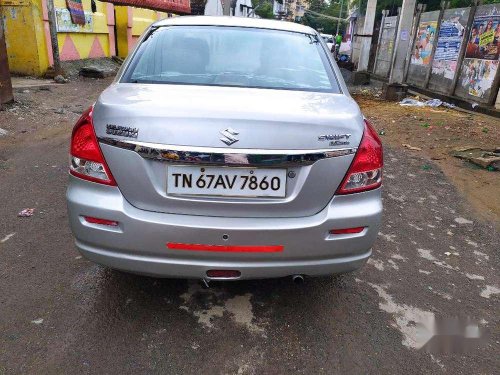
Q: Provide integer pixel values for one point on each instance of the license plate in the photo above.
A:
(226, 181)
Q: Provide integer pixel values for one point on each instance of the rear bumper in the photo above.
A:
(138, 244)
(189, 268)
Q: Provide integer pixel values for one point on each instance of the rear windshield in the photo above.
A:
(232, 56)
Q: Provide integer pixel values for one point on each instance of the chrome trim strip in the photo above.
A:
(226, 156)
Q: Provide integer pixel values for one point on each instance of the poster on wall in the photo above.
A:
(64, 23)
(478, 76)
(451, 35)
(422, 50)
(484, 38)
(483, 50)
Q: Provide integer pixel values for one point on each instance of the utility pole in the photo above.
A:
(53, 38)
(340, 16)
(226, 7)
(5, 82)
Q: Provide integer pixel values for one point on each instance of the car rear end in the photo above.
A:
(190, 167)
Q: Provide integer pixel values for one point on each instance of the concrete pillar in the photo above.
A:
(5, 83)
(403, 42)
(366, 39)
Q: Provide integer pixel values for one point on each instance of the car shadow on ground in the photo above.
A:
(133, 296)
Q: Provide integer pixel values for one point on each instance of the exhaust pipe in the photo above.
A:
(298, 279)
(205, 283)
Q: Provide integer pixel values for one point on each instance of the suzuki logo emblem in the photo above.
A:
(229, 136)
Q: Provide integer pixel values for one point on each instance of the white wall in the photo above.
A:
(237, 10)
(277, 7)
(213, 8)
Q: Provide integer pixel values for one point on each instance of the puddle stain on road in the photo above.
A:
(208, 304)
(489, 291)
(405, 318)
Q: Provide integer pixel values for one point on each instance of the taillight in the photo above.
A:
(87, 161)
(365, 172)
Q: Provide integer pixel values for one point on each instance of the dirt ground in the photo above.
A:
(36, 114)
(437, 132)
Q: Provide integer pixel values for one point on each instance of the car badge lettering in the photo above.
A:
(124, 131)
(229, 136)
(335, 139)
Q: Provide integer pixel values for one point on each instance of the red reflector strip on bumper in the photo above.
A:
(223, 248)
(96, 220)
(347, 230)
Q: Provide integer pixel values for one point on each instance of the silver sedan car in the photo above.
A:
(226, 148)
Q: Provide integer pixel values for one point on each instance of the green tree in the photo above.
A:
(332, 9)
(263, 8)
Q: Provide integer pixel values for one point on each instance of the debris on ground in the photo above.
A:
(370, 91)
(3, 132)
(94, 71)
(60, 79)
(27, 212)
(410, 147)
(117, 60)
(7, 237)
(487, 159)
(73, 67)
(411, 102)
(448, 253)
(37, 321)
(461, 220)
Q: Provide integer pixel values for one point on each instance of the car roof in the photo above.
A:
(235, 22)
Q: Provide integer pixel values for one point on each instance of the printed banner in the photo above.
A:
(64, 24)
(478, 75)
(450, 39)
(75, 8)
(426, 34)
(485, 37)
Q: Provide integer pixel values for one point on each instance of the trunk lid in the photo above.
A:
(193, 117)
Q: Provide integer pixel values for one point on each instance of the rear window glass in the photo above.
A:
(232, 56)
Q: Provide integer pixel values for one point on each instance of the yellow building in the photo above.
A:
(111, 30)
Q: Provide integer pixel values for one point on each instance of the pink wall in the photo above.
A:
(69, 50)
(46, 29)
